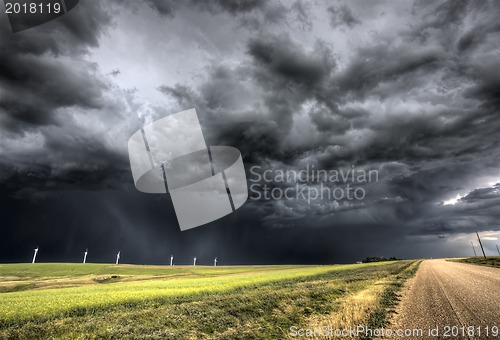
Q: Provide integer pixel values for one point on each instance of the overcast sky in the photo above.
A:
(408, 88)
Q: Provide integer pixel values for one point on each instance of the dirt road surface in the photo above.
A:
(451, 297)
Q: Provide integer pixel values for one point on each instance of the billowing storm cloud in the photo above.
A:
(408, 89)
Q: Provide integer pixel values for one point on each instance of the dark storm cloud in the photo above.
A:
(72, 33)
(384, 64)
(477, 210)
(478, 195)
(289, 75)
(280, 76)
(446, 21)
(406, 99)
(180, 93)
(64, 126)
(163, 7)
(303, 15)
(283, 58)
(29, 65)
(233, 7)
(476, 36)
(255, 140)
(342, 16)
(40, 98)
(48, 89)
(414, 96)
(251, 14)
(380, 72)
(168, 8)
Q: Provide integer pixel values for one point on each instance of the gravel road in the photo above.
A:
(449, 294)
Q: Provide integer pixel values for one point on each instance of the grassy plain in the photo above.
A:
(77, 301)
(490, 261)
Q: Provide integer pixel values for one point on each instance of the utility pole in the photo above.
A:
(480, 244)
(474, 249)
(498, 250)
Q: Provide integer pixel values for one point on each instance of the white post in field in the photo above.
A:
(85, 256)
(215, 262)
(34, 256)
(171, 260)
(194, 261)
(117, 257)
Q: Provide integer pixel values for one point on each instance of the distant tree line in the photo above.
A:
(379, 259)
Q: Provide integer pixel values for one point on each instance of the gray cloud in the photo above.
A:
(51, 104)
(34, 78)
(233, 7)
(410, 90)
(383, 92)
(342, 16)
(168, 8)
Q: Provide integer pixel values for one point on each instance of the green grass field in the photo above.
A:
(490, 261)
(98, 300)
